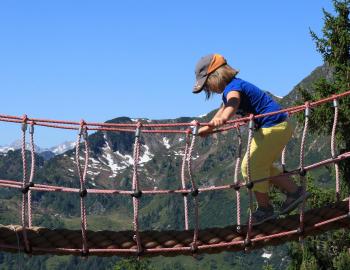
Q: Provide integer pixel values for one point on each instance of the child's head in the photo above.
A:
(213, 74)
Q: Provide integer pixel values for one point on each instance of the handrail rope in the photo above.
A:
(32, 173)
(291, 110)
(236, 180)
(25, 187)
(249, 183)
(333, 151)
(194, 189)
(183, 177)
(302, 170)
(82, 176)
(50, 188)
(136, 190)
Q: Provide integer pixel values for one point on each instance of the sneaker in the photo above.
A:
(262, 214)
(293, 200)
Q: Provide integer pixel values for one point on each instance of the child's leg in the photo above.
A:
(285, 183)
(266, 146)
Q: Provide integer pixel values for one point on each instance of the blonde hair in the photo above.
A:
(218, 79)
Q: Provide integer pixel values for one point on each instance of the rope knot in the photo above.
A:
(31, 129)
(236, 186)
(307, 109)
(251, 122)
(250, 185)
(24, 123)
(26, 187)
(83, 192)
(335, 102)
(138, 129)
(195, 128)
(195, 192)
(194, 247)
(136, 194)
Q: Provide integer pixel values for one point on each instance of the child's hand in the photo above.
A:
(204, 131)
(217, 121)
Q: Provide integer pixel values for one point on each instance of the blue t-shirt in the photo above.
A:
(255, 101)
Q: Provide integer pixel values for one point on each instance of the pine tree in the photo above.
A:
(334, 46)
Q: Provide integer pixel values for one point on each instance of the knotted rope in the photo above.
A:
(194, 189)
(183, 177)
(302, 169)
(136, 190)
(236, 182)
(249, 182)
(82, 178)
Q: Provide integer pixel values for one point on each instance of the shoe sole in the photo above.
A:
(295, 204)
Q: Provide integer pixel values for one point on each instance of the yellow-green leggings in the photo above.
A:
(266, 148)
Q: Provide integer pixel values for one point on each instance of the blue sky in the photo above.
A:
(98, 60)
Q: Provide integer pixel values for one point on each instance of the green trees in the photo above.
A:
(334, 46)
(133, 264)
(330, 250)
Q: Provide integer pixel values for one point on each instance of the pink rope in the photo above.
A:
(283, 159)
(82, 178)
(302, 169)
(136, 190)
(249, 181)
(236, 180)
(336, 166)
(183, 179)
(194, 191)
(32, 172)
(24, 184)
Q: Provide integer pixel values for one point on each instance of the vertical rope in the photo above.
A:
(136, 191)
(25, 186)
(249, 182)
(336, 166)
(283, 159)
(194, 191)
(236, 180)
(32, 172)
(183, 178)
(302, 170)
(82, 179)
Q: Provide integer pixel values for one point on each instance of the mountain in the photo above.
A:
(111, 166)
(44, 152)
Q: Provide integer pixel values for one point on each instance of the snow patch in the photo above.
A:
(166, 142)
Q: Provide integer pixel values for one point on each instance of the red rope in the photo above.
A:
(27, 186)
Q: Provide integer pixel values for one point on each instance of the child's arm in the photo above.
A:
(224, 113)
(233, 100)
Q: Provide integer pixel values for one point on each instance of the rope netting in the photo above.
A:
(239, 236)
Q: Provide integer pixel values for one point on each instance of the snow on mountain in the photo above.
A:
(64, 147)
(166, 142)
(56, 150)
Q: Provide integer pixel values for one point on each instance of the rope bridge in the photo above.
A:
(239, 236)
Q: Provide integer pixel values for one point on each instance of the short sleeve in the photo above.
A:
(234, 85)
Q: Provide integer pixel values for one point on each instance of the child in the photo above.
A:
(214, 75)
